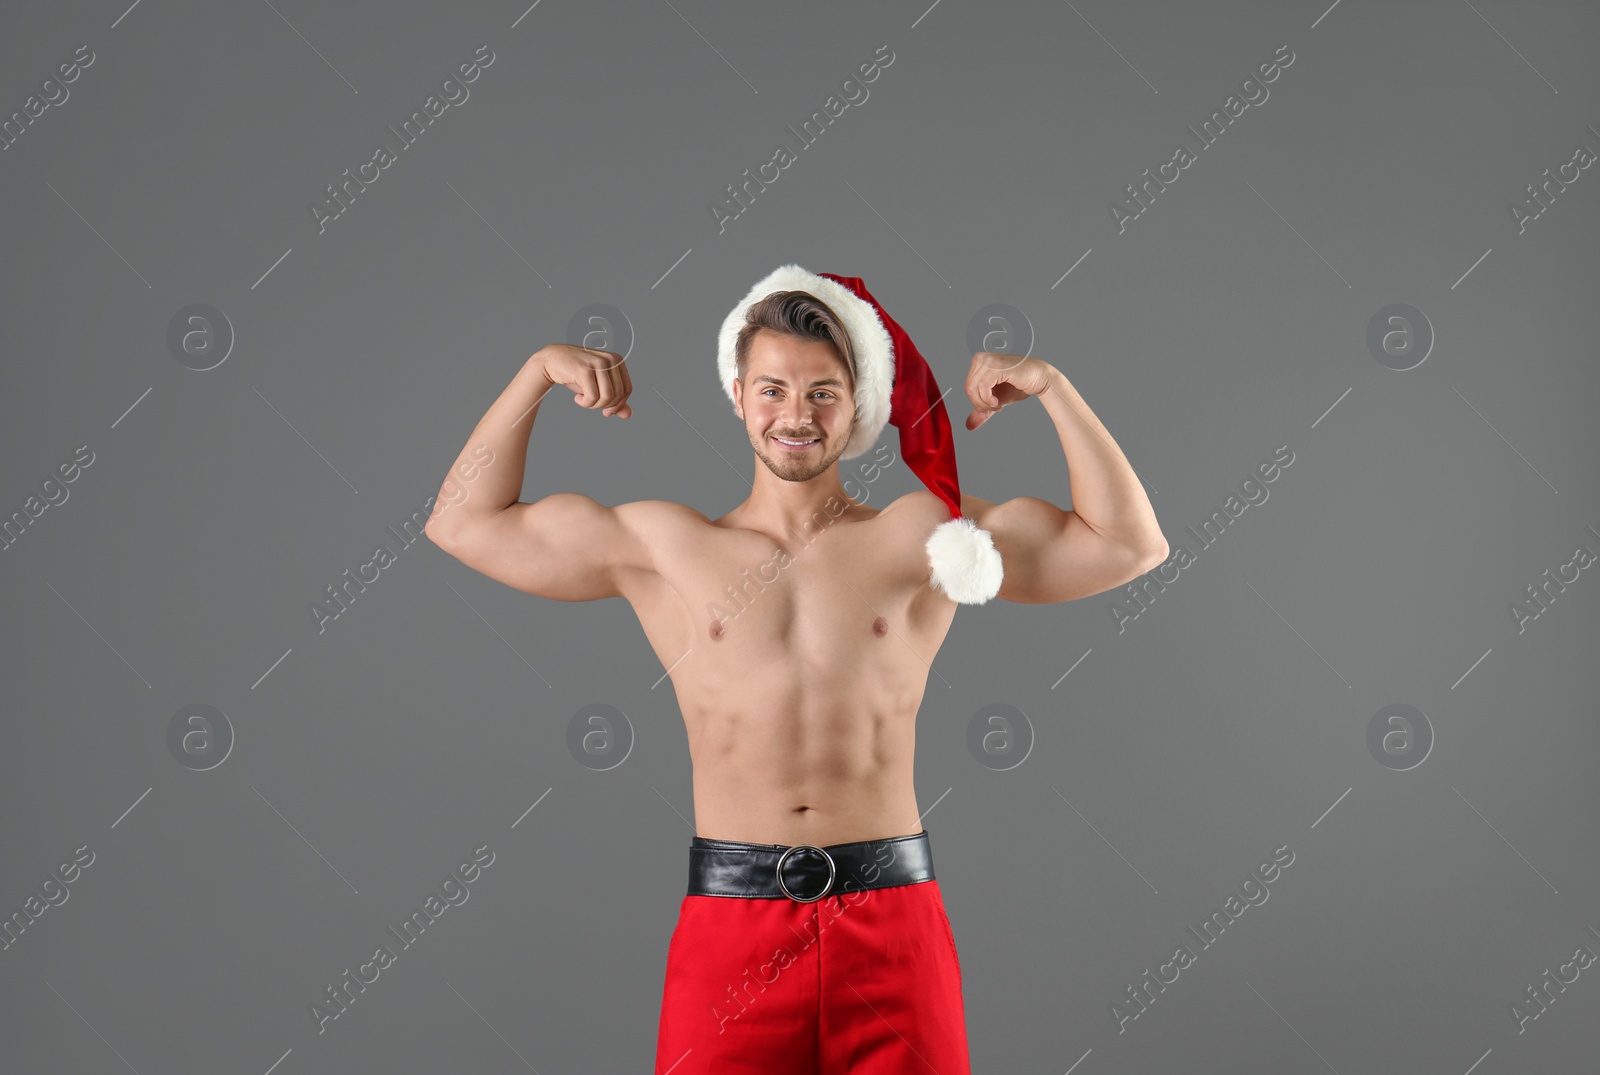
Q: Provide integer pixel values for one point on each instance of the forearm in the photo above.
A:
(486, 476)
(1106, 493)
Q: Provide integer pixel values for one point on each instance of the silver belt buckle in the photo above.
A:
(832, 872)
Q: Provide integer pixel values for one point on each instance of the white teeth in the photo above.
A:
(796, 443)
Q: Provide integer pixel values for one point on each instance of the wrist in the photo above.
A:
(534, 369)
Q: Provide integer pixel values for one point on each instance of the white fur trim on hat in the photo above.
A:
(874, 354)
(966, 565)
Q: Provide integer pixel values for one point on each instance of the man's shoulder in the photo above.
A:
(917, 513)
(643, 516)
(916, 508)
(912, 516)
(923, 504)
(917, 501)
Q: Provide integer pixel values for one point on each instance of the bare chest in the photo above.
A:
(734, 605)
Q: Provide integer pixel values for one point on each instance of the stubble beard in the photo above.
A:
(799, 466)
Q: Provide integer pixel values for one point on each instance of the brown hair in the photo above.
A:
(794, 313)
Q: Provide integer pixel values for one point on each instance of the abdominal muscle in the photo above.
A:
(800, 706)
(816, 775)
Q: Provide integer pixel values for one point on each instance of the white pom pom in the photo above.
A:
(966, 565)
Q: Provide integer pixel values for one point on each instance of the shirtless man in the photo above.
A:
(800, 701)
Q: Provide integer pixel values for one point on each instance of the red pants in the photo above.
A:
(867, 982)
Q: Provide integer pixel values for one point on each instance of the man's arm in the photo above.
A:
(1111, 534)
(566, 546)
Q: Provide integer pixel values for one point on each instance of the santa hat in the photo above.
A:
(893, 384)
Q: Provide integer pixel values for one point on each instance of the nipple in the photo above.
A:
(880, 626)
(716, 630)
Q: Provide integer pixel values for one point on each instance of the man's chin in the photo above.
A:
(797, 466)
(790, 470)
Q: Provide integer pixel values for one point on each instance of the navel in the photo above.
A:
(880, 626)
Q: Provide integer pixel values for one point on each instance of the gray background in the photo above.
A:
(1227, 720)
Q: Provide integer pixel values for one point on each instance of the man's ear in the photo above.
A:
(738, 398)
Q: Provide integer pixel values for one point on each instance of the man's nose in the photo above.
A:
(798, 411)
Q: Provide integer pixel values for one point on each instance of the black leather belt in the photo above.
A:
(805, 873)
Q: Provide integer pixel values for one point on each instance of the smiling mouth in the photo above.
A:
(797, 445)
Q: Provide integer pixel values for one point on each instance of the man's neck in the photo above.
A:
(794, 509)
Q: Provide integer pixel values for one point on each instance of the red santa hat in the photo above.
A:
(893, 385)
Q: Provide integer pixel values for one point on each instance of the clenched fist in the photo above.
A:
(996, 380)
(597, 378)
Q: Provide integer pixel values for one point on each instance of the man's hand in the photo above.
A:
(996, 380)
(597, 378)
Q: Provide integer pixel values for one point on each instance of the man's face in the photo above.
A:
(796, 390)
